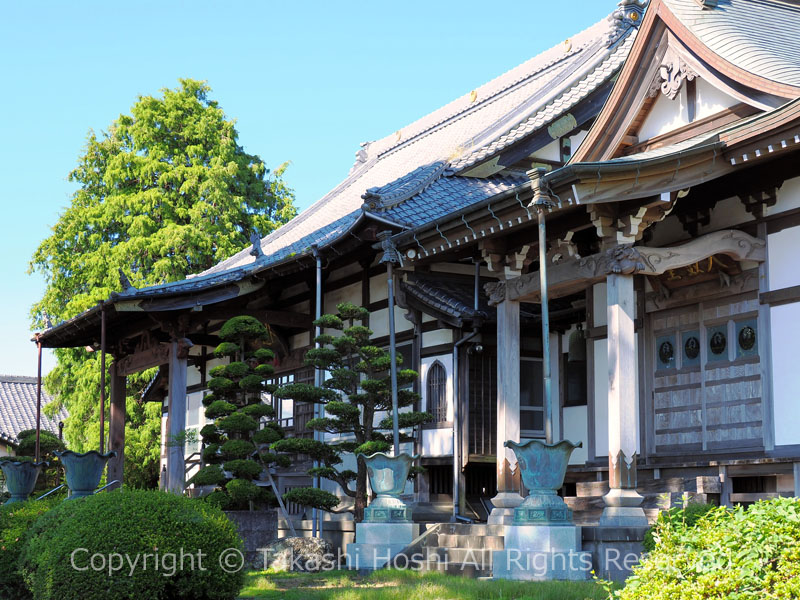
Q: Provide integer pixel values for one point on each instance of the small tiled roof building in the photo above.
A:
(18, 410)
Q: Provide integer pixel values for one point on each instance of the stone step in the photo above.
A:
(465, 557)
(468, 529)
(479, 542)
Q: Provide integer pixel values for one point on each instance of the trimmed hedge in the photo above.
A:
(740, 554)
(689, 515)
(15, 520)
(121, 526)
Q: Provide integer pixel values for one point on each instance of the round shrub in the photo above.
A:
(252, 383)
(263, 355)
(210, 475)
(221, 385)
(266, 436)
(737, 554)
(211, 454)
(264, 370)
(243, 469)
(237, 449)
(209, 434)
(166, 527)
(236, 370)
(312, 497)
(242, 492)
(237, 423)
(219, 499)
(258, 411)
(243, 325)
(219, 408)
(226, 349)
(15, 520)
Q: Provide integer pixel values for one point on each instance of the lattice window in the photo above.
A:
(437, 392)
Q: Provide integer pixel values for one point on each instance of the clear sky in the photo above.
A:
(306, 81)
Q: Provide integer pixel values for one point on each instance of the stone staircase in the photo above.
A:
(659, 494)
(457, 549)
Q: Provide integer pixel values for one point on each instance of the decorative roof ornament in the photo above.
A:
(255, 239)
(671, 75)
(704, 4)
(390, 253)
(362, 156)
(628, 15)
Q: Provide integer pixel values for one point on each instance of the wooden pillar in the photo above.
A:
(178, 365)
(622, 501)
(116, 426)
(508, 335)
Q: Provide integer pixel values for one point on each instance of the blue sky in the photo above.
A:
(306, 82)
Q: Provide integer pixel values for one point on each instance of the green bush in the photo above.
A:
(208, 475)
(15, 520)
(244, 469)
(242, 492)
(740, 554)
(130, 524)
(312, 497)
(237, 449)
(689, 514)
(243, 326)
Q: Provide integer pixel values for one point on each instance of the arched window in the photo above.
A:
(437, 392)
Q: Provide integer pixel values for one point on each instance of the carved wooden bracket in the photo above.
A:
(573, 275)
(755, 201)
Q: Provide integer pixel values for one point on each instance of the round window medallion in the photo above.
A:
(747, 338)
(665, 352)
(692, 348)
(718, 343)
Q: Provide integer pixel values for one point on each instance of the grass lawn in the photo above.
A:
(407, 585)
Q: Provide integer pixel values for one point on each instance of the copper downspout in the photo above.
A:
(102, 376)
(38, 397)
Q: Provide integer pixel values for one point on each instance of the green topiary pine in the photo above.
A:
(357, 389)
(237, 444)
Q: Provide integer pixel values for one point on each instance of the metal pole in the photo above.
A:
(316, 514)
(102, 377)
(38, 398)
(542, 202)
(393, 358)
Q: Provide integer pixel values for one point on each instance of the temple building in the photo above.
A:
(642, 178)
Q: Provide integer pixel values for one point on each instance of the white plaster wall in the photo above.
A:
(726, 214)
(788, 197)
(601, 398)
(599, 307)
(555, 377)
(551, 151)
(576, 429)
(349, 293)
(437, 442)
(378, 289)
(667, 115)
(785, 322)
(439, 336)
(782, 262)
(301, 340)
(379, 322)
(577, 139)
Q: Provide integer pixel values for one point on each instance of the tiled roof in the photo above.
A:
(18, 407)
(451, 194)
(759, 36)
(553, 110)
(398, 167)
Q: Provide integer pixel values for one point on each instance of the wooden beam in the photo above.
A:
(508, 382)
(116, 426)
(143, 359)
(572, 275)
(283, 318)
(178, 367)
(785, 295)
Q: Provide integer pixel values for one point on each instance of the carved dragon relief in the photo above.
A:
(626, 259)
(673, 71)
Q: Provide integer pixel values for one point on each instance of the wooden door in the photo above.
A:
(706, 382)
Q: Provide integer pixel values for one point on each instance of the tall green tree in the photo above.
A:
(166, 192)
